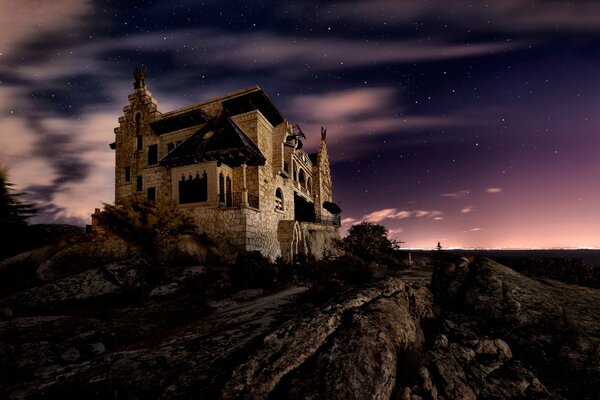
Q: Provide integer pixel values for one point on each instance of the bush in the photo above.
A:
(370, 243)
(334, 273)
(252, 269)
(153, 226)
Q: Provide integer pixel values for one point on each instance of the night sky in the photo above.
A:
(470, 123)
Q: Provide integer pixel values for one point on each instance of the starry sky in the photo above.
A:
(472, 123)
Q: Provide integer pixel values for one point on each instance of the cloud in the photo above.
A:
(19, 23)
(467, 209)
(265, 50)
(461, 194)
(508, 15)
(349, 221)
(393, 213)
(493, 190)
(472, 230)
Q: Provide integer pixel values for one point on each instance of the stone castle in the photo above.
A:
(236, 163)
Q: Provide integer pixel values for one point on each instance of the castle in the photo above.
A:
(236, 163)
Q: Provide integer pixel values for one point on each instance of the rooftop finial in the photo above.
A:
(139, 73)
(323, 134)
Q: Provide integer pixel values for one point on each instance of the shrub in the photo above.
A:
(334, 273)
(153, 226)
(252, 269)
(370, 242)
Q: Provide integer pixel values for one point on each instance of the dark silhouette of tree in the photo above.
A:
(14, 217)
(370, 242)
(13, 211)
(438, 247)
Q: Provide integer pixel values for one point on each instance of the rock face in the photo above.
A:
(502, 335)
(479, 331)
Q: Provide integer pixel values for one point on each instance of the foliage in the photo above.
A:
(331, 274)
(14, 218)
(252, 269)
(154, 226)
(13, 212)
(370, 242)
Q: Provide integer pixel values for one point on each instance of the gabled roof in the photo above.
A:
(249, 99)
(254, 100)
(179, 121)
(219, 140)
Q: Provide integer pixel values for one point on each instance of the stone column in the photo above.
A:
(244, 201)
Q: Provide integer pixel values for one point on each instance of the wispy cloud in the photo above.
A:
(509, 15)
(467, 209)
(348, 221)
(472, 230)
(461, 194)
(493, 190)
(394, 213)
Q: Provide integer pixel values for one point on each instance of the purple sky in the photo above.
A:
(470, 123)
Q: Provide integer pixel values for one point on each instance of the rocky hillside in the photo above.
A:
(113, 329)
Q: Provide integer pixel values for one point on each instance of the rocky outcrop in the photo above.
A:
(479, 331)
(503, 335)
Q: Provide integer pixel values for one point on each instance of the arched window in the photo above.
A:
(301, 178)
(309, 185)
(278, 199)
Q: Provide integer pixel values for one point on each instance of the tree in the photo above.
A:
(370, 242)
(439, 246)
(14, 218)
(14, 213)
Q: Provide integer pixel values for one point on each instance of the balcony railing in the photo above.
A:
(234, 200)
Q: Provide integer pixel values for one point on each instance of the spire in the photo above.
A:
(323, 134)
(139, 73)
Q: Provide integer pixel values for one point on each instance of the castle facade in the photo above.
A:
(236, 164)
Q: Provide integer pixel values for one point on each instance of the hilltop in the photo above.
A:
(90, 316)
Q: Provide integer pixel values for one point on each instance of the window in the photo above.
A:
(140, 145)
(170, 147)
(221, 188)
(193, 189)
(138, 117)
(301, 178)
(127, 174)
(278, 200)
(139, 184)
(151, 194)
(152, 154)
(228, 199)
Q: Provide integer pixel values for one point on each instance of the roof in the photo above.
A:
(255, 100)
(219, 140)
(179, 121)
(249, 99)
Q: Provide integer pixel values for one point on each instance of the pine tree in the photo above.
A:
(14, 213)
